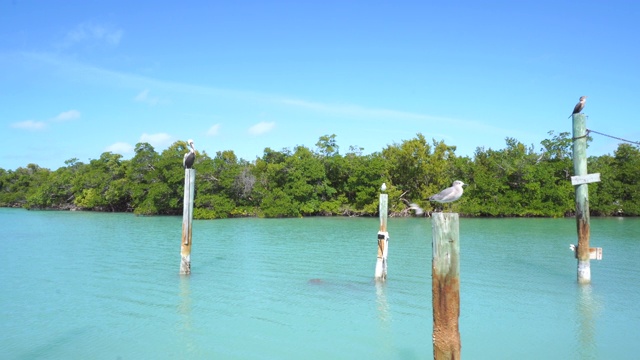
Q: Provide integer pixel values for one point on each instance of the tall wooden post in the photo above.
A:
(582, 197)
(187, 218)
(383, 240)
(445, 269)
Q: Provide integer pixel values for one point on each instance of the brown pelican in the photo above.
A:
(449, 194)
(190, 157)
(579, 106)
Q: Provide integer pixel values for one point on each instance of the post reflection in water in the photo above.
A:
(385, 331)
(185, 327)
(382, 305)
(588, 309)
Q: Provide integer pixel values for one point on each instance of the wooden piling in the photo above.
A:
(383, 240)
(187, 219)
(445, 277)
(582, 197)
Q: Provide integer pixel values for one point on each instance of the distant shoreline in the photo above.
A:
(401, 214)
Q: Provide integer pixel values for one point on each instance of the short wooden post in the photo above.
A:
(187, 218)
(445, 272)
(383, 240)
(582, 197)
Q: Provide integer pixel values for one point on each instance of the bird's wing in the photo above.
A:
(578, 107)
(417, 208)
(447, 194)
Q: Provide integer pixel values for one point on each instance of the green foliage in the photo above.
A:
(420, 169)
(21, 185)
(101, 184)
(513, 181)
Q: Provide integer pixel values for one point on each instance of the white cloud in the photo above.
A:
(158, 141)
(67, 115)
(89, 32)
(213, 131)
(29, 125)
(121, 148)
(144, 97)
(262, 127)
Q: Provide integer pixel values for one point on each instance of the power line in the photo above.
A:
(613, 137)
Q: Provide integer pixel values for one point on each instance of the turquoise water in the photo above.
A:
(80, 285)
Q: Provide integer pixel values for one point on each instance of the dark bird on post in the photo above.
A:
(579, 106)
(190, 157)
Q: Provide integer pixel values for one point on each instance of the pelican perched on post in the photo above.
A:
(190, 157)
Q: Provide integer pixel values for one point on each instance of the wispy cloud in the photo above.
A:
(262, 127)
(30, 125)
(91, 33)
(144, 97)
(122, 79)
(137, 81)
(35, 125)
(67, 115)
(121, 148)
(158, 141)
(354, 110)
(213, 130)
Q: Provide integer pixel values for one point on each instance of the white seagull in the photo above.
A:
(449, 194)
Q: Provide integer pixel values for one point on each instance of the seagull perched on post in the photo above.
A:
(383, 187)
(449, 194)
(579, 106)
(190, 157)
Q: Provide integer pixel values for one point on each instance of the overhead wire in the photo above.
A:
(613, 137)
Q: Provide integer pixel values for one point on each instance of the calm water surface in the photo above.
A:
(79, 285)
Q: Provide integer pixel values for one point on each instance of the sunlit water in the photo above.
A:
(80, 285)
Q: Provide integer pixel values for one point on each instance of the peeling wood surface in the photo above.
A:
(187, 220)
(446, 286)
(383, 239)
(383, 210)
(582, 197)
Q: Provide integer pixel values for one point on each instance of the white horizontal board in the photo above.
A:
(585, 179)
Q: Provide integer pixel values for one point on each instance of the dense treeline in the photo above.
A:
(514, 181)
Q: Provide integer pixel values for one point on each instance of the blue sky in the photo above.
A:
(79, 78)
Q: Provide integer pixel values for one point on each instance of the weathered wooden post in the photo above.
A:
(383, 237)
(580, 181)
(187, 219)
(445, 284)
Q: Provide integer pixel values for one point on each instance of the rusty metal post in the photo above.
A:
(582, 197)
(187, 219)
(445, 278)
(383, 240)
